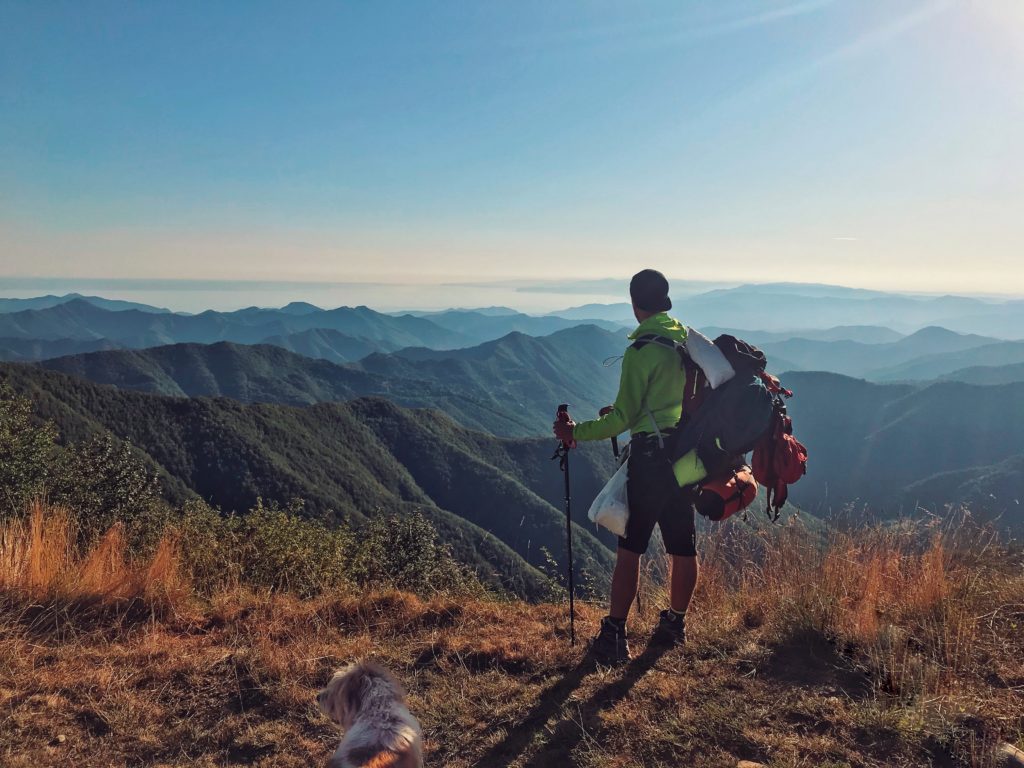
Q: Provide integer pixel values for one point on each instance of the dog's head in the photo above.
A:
(344, 695)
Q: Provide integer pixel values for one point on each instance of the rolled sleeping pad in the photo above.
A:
(723, 497)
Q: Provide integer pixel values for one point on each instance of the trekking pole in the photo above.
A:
(562, 454)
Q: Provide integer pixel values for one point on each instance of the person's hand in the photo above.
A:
(563, 430)
(606, 410)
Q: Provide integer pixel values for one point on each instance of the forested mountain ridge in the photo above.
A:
(496, 500)
(509, 386)
(870, 442)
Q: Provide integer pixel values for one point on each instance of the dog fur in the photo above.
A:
(380, 732)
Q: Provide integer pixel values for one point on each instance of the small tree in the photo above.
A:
(27, 451)
(105, 482)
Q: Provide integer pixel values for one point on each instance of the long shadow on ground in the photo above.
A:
(524, 733)
(567, 733)
(570, 732)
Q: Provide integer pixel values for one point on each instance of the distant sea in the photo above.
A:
(536, 296)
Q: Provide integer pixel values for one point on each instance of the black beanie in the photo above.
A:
(649, 291)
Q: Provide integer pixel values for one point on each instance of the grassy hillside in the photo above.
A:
(912, 658)
(350, 462)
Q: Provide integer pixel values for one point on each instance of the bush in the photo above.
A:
(404, 552)
(106, 483)
(27, 451)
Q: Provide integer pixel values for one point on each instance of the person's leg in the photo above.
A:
(683, 581)
(625, 581)
(678, 529)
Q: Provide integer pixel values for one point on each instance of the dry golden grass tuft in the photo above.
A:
(895, 646)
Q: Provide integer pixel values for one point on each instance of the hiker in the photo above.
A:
(649, 405)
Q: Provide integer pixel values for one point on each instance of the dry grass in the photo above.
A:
(880, 647)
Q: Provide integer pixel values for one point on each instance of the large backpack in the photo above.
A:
(746, 413)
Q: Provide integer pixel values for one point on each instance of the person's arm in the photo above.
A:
(628, 403)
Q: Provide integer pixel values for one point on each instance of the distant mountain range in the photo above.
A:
(788, 307)
(508, 387)
(46, 302)
(882, 361)
(496, 501)
(340, 335)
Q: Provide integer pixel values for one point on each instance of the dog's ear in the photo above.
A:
(343, 696)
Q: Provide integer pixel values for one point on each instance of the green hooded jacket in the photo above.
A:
(650, 375)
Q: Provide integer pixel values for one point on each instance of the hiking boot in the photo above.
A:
(671, 629)
(610, 646)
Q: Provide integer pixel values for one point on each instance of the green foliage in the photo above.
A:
(102, 482)
(404, 552)
(26, 452)
(105, 482)
(269, 548)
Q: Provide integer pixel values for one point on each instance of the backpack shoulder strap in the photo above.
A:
(661, 341)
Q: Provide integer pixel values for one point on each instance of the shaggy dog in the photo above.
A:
(380, 732)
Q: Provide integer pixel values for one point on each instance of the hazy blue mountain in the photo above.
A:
(326, 344)
(987, 374)
(79, 319)
(300, 308)
(854, 358)
(485, 327)
(487, 311)
(30, 350)
(46, 302)
(780, 308)
(864, 334)
(614, 313)
(809, 290)
(937, 365)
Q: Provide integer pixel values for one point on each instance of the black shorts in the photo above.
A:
(656, 498)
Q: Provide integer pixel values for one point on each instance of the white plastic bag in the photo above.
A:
(709, 357)
(611, 507)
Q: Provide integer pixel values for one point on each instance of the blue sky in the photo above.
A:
(864, 142)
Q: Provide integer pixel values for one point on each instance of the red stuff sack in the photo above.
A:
(723, 497)
(779, 460)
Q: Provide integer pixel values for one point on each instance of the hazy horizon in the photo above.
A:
(529, 296)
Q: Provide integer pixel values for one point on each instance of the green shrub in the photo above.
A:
(27, 451)
(267, 548)
(105, 482)
(404, 552)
